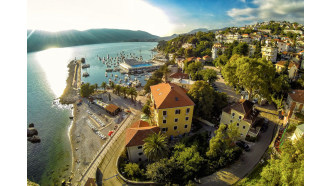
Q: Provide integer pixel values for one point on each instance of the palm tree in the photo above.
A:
(123, 90)
(96, 86)
(104, 85)
(117, 89)
(155, 146)
(132, 92)
(112, 84)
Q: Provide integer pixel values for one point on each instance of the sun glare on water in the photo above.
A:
(54, 63)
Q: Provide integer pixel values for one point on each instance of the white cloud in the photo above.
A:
(290, 10)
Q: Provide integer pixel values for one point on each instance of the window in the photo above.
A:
(164, 121)
(139, 147)
(140, 153)
(140, 159)
(231, 121)
(164, 113)
(185, 126)
(164, 129)
(176, 120)
(175, 127)
(187, 110)
(177, 111)
(187, 118)
(233, 114)
(243, 127)
(238, 124)
(239, 118)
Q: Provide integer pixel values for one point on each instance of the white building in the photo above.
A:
(252, 49)
(134, 140)
(215, 48)
(270, 53)
(188, 45)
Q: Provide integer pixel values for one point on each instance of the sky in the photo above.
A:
(158, 17)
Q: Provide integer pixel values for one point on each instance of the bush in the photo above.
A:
(133, 171)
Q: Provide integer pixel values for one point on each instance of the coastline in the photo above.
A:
(70, 96)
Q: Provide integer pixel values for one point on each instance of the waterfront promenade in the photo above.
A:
(90, 171)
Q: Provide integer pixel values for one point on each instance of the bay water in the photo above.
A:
(49, 162)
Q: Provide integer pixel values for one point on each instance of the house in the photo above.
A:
(282, 46)
(207, 58)
(134, 139)
(112, 109)
(215, 48)
(171, 56)
(178, 75)
(171, 109)
(252, 49)
(199, 59)
(294, 31)
(294, 104)
(270, 53)
(188, 45)
(184, 83)
(180, 62)
(243, 115)
(293, 68)
(298, 133)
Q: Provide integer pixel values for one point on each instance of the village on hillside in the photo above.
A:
(223, 106)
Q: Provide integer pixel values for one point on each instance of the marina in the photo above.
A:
(120, 68)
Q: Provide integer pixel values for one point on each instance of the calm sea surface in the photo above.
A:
(50, 160)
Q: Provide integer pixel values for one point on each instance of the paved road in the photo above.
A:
(245, 164)
(222, 87)
(108, 165)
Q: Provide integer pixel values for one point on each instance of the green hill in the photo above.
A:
(41, 40)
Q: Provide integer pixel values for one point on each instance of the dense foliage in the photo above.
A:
(208, 102)
(253, 75)
(86, 89)
(155, 146)
(288, 169)
(156, 77)
(203, 44)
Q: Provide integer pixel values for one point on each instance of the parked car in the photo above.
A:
(255, 101)
(243, 145)
(265, 125)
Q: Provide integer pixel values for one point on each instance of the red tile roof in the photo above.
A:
(281, 63)
(136, 134)
(297, 96)
(179, 75)
(169, 95)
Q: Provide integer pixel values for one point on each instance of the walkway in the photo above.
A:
(246, 163)
(90, 171)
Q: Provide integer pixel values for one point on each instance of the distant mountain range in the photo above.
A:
(41, 40)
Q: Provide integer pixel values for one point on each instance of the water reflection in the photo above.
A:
(54, 63)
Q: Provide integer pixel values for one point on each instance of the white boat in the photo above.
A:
(106, 75)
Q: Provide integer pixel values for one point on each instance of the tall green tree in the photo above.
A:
(86, 90)
(288, 169)
(253, 75)
(132, 92)
(241, 49)
(132, 170)
(202, 95)
(155, 146)
(117, 89)
(209, 75)
(96, 86)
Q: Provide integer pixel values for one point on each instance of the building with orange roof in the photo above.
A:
(207, 58)
(134, 139)
(171, 109)
(293, 68)
(294, 104)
